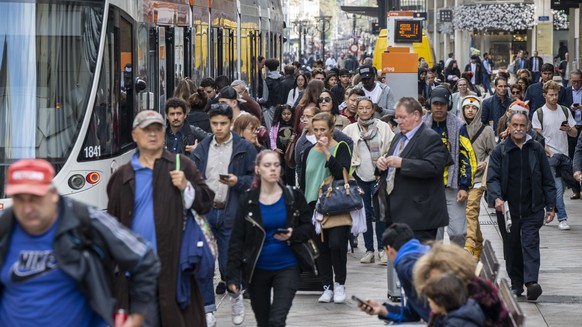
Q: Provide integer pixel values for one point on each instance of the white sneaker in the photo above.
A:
(237, 309)
(210, 319)
(563, 225)
(339, 293)
(368, 257)
(382, 258)
(327, 295)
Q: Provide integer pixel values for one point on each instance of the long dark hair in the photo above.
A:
(334, 102)
(256, 183)
(277, 116)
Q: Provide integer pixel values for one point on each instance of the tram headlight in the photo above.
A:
(76, 182)
(93, 177)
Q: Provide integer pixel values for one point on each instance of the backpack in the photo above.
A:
(276, 96)
(540, 114)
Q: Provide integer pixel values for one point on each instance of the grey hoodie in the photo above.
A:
(484, 143)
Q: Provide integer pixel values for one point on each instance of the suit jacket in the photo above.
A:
(418, 197)
(478, 72)
(540, 63)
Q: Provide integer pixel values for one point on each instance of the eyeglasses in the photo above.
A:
(305, 117)
(253, 129)
(575, 81)
(515, 92)
(324, 99)
(519, 111)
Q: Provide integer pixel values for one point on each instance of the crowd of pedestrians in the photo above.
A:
(248, 171)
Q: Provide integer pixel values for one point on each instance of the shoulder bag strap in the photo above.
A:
(474, 138)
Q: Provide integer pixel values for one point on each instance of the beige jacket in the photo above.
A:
(386, 136)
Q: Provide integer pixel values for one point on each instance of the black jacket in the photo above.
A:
(543, 187)
(116, 246)
(248, 234)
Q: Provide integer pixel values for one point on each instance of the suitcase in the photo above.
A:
(394, 292)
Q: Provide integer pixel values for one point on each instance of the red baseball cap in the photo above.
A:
(30, 176)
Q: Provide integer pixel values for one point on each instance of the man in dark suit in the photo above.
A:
(573, 100)
(475, 67)
(535, 63)
(411, 179)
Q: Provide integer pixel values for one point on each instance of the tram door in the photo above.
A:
(230, 53)
(217, 52)
(157, 69)
(109, 132)
(188, 53)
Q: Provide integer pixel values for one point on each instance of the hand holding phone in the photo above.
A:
(360, 302)
(223, 177)
(282, 231)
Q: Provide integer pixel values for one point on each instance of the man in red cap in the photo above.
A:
(54, 254)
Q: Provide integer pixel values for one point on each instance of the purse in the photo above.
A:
(338, 220)
(305, 252)
(290, 152)
(339, 196)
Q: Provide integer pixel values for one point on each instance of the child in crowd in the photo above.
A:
(281, 134)
(449, 303)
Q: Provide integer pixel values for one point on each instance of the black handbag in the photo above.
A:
(305, 252)
(339, 196)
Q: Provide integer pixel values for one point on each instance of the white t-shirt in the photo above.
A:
(556, 139)
(374, 95)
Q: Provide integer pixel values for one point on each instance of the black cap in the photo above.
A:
(228, 92)
(366, 71)
(440, 94)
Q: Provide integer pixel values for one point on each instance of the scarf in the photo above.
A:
(453, 128)
(370, 136)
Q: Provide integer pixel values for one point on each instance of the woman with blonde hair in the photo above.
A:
(443, 258)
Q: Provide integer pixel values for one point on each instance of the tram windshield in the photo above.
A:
(48, 55)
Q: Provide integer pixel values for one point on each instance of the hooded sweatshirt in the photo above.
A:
(484, 143)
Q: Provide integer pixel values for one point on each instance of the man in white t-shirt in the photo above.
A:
(379, 93)
(555, 123)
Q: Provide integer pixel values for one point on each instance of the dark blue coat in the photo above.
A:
(493, 109)
(468, 315)
(242, 164)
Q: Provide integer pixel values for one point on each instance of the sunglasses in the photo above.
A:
(324, 99)
(515, 92)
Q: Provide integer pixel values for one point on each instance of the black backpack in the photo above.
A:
(276, 96)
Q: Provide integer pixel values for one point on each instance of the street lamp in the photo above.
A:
(302, 27)
(323, 26)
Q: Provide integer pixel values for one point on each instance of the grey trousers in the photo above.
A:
(457, 228)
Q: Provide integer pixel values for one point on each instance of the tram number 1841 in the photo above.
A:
(92, 151)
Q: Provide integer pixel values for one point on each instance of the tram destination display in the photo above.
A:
(408, 31)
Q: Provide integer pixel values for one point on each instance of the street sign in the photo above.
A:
(544, 18)
(354, 48)
(446, 16)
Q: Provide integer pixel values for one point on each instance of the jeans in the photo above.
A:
(333, 255)
(560, 206)
(487, 83)
(367, 187)
(207, 291)
(222, 235)
(474, 237)
(284, 284)
(521, 248)
(457, 228)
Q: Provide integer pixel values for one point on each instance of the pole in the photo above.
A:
(300, 30)
(323, 39)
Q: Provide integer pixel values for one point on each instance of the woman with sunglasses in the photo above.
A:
(327, 157)
(516, 92)
(248, 126)
(372, 138)
(328, 103)
(524, 83)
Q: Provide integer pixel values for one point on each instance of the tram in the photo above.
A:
(73, 74)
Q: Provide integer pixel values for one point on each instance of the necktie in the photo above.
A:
(392, 171)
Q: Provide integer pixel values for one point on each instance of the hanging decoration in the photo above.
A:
(503, 16)
(560, 20)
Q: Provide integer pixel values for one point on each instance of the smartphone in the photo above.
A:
(576, 105)
(223, 176)
(565, 123)
(359, 301)
(282, 231)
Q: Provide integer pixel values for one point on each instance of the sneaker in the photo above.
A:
(327, 295)
(563, 225)
(221, 288)
(518, 292)
(368, 257)
(339, 293)
(237, 309)
(210, 319)
(534, 290)
(382, 258)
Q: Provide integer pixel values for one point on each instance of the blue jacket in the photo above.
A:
(468, 315)
(415, 308)
(493, 109)
(242, 164)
